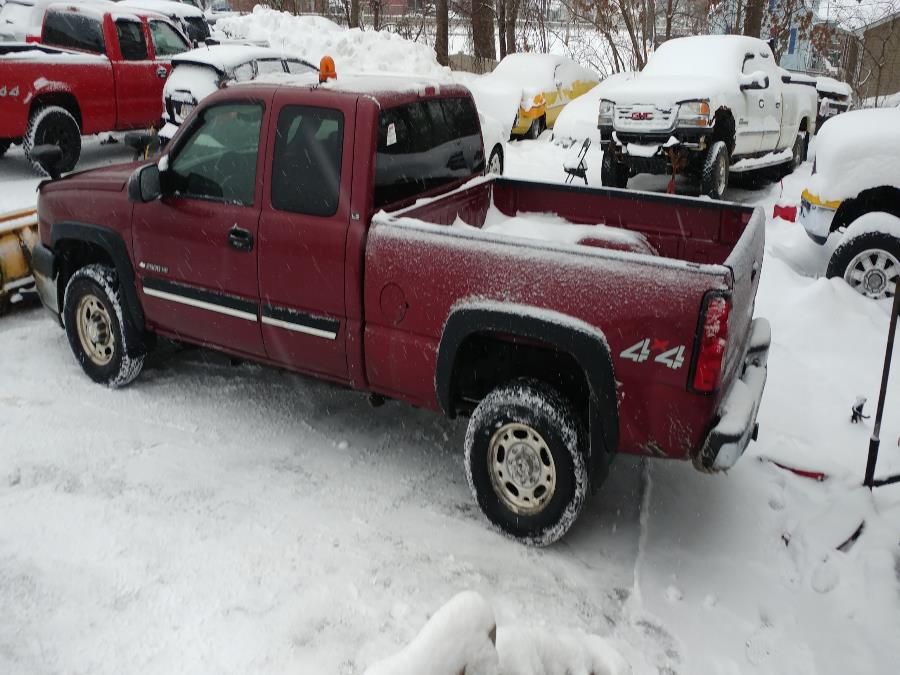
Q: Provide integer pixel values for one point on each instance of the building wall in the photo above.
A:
(879, 59)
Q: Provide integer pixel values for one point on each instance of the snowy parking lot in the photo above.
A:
(226, 517)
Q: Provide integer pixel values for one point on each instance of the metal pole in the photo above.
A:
(875, 441)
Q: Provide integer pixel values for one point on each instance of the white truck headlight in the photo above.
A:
(694, 114)
(605, 119)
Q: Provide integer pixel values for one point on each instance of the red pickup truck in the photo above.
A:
(345, 230)
(96, 70)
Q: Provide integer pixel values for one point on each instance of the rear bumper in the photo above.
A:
(45, 275)
(816, 220)
(736, 415)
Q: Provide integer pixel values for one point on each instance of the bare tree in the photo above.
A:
(441, 37)
(482, 14)
(353, 18)
(753, 17)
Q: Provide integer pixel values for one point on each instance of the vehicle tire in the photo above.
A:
(94, 317)
(495, 163)
(877, 251)
(798, 151)
(55, 126)
(525, 462)
(613, 173)
(4, 145)
(714, 177)
(537, 128)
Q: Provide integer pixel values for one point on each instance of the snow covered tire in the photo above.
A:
(53, 125)
(537, 127)
(613, 173)
(714, 177)
(495, 163)
(528, 429)
(883, 253)
(94, 318)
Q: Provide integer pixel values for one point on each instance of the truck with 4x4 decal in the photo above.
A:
(346, 230)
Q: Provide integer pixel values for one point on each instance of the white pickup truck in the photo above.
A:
(706, 106)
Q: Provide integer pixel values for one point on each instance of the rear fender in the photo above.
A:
(585, 343)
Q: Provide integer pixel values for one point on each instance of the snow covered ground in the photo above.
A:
(236, 519)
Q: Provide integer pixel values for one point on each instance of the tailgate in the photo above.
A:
(745, 262)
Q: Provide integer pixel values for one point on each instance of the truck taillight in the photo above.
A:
(33, 39)
(712, 341)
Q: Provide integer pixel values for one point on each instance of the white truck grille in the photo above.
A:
(645, 118)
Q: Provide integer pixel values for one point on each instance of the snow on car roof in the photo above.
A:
(365, 83)
(710, 55)
(829, 85)
(530, 69)
(165, 7)
(857, 150)
(94, 8)
(225, 57)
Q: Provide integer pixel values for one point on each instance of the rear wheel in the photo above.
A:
(714, 177)
(798, 152)
(4, 145)
(869, 263)
(94, 317)
(537, 127)
(613, 173)
(53, 125)
(525, 462)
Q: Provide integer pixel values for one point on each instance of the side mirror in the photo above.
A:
(49, 157)
(755, 80)
(144, 185)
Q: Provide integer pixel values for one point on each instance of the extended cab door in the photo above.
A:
(303, 233)
(195, 248)
(138, 84)
(771, 108)
(752, 122)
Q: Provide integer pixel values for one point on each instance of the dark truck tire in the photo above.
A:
(495, 163)
(878, 251)
(94, 318)
(613, 173)
(4, 145)
(53, 125)
(525, 461)
(714, 176)
(537, 128)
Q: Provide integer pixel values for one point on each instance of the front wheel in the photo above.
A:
(4, 145)
(714, 177)
(613, 173)
(94, 316)
(869, 263)
(495, 163)
(537, 128)
(525, 461)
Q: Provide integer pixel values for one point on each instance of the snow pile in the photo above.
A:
(578, 120)
(312, 37)
(857, 150)
(460, 638)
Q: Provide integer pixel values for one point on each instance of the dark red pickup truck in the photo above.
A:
(345, 230)
(96, 70)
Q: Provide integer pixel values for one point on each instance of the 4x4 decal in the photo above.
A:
(641, 351)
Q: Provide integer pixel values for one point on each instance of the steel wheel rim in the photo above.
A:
(722, 178)
(494, 166)
(874, 273)
(521, 467)
(94, 328)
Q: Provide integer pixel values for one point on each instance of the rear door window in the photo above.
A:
(296, 66)
(424, 145)
(131, 40)
(217, 160)
(306, 168)
(166, 40)
(73, 30)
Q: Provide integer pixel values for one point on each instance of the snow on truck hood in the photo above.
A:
(665, 90)
(165, 7)
(225, 57)
(857, 150)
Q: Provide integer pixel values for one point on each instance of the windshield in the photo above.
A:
(691, 57)
(220, 6)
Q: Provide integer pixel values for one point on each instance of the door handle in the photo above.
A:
(240, 239)
(161, 72)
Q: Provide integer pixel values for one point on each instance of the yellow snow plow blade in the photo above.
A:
(18, 235)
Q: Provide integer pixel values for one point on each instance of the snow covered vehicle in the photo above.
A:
(99, 68)
(835, 97)
(543, 85)
(854, 194)
(188, 17)
(21, 20)
(706, 106)
(346, 230)
(200, 72)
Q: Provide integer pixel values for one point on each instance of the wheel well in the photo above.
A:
(724, 128)
(884, 198)
(72, 255)
(485, 361)
(61, 99)
(804, 124)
